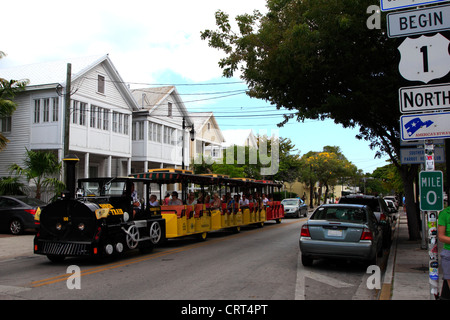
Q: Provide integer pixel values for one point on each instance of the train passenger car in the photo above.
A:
(198, 219)
(101, 220)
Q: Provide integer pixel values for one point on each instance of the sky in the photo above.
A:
(153, 43)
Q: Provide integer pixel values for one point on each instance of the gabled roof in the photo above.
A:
(149, 99)
(240, 137)
(47, 75)
(201, 119)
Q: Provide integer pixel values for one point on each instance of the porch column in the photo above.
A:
(86, 165)
(108, 166)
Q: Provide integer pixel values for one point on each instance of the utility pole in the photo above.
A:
(67, 112)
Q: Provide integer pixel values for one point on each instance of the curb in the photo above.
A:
(386, 288)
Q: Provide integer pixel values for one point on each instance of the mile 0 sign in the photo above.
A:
(431, 186)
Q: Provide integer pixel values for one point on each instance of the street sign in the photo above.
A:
(424, 98)
(417, 155)
(425, 58)
(421, 21)
(431, 186)
(387, 5)
(412, 143)
(425, 126)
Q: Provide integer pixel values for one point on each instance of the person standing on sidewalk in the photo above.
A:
(444, 237)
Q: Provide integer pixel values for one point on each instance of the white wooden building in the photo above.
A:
(157, 131)
(100, 119)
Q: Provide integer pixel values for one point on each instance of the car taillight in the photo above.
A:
(31, 211)
(382, 217)
(366, 234)
(305, 231)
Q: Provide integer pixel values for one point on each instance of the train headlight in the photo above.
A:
(58, 226)
(81, 226)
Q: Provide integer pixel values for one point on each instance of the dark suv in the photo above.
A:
(379, 208)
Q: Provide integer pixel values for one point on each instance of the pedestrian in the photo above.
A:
(444, 237)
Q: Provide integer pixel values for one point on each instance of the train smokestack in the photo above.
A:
(71, 162)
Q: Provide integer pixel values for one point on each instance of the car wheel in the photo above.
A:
(16, 227)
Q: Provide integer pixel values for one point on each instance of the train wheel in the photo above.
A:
(155, 233)
(203, 236)
(132, 237)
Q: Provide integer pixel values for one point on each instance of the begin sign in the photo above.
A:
(431, 185)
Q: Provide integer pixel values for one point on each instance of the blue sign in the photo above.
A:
(387, 5)
(425, 126)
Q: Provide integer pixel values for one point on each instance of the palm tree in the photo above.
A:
(40, 167)
(8, 89)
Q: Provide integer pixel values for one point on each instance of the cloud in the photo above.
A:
(147, 37)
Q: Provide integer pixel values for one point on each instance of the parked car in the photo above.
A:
(391, 206)
(393, 199)
(379, 208)
(294, 207)
(17, 213)
(342, 231)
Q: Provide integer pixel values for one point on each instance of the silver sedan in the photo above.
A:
(341, 231)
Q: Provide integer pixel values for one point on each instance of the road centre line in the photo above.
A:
(64, 277)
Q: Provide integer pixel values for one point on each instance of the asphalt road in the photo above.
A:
(256, 264)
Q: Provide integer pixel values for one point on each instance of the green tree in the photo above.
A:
(40, 167)
(327, 167)
(318, 58)
(8, 89)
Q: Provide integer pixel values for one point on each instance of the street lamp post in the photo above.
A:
(192, 136)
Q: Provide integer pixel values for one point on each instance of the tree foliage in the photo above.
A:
(8, 89)
(319, 59)
(40, 167)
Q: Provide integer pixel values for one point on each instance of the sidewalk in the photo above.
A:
(14, 246)
(406, 276)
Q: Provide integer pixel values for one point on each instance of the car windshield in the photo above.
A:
(95, 189)
(340, 214)
(290, 202)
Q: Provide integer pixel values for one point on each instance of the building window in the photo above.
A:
(99, 118)
(46, 110)
(93, 117)
(105, 119)
(101, 84)
(115, 116)
(126, 124)
(169, 109)
(75, 112)
(83, 111)
(55, 115)
(5, 125)
(37, 111)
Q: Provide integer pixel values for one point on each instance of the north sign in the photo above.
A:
(424, 58)
(431, 186)
(425, 126)
(421, 21)
(424, 98)
(387, 5)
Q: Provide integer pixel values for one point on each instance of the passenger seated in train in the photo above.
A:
(191, 199)
(216, 203)
(135, 199)
(175, 201)
(153, 202)
(244, 203)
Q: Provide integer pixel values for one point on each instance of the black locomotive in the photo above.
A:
(100, 219)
